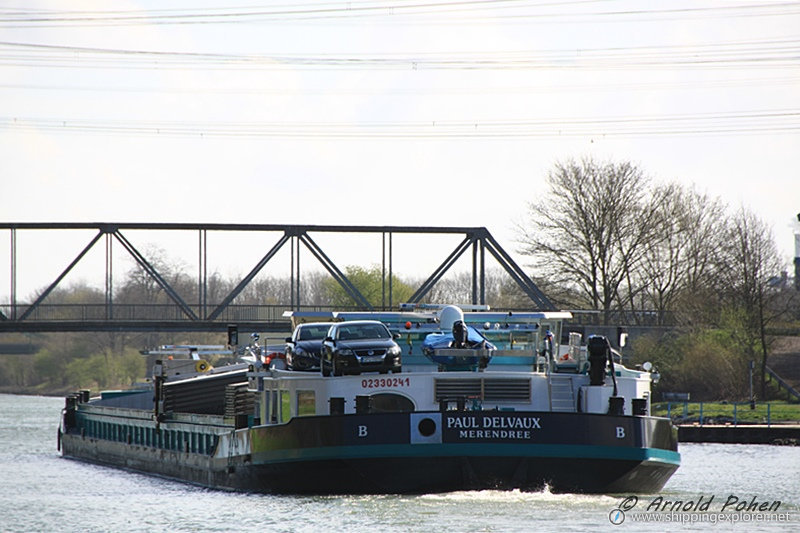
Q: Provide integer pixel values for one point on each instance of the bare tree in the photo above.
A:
(141, 287)
(748, 263)
(313, 288)
(679, 263)
(456, 288)
(588, 232)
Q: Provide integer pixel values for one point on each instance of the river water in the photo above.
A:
(43, 492)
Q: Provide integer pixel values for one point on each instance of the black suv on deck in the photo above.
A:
(360, 346)
(304, 347)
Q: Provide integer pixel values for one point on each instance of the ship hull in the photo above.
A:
(457, 473)
(408, 453)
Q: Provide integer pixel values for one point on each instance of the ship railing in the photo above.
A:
(527, 357)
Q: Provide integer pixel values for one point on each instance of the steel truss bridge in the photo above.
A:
(201, 315)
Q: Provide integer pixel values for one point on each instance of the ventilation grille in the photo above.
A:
(487, 389)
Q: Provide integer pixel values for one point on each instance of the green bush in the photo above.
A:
(707, 364)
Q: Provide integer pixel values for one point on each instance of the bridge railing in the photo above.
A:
(629, 318)
(148, 312)
(790, 391)
(249, 312)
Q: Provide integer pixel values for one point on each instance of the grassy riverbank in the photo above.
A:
(721, 412)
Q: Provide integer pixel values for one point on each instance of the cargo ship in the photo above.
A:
(452, 400)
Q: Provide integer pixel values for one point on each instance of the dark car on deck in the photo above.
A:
(360, 346)
(304, 347)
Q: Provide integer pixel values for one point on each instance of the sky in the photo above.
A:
(384, 112)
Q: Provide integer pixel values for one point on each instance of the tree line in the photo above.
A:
(605, 237)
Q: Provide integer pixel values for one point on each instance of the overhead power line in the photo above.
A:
(469, 11)
(730, 123)
(750, 54)
(595, 87)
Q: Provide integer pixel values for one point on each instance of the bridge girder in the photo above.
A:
(477, 238)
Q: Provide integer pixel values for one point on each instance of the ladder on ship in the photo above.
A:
(562, 395)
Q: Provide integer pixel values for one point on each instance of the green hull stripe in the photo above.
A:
(564, 451)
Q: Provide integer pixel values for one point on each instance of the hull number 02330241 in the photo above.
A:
(378, 383)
